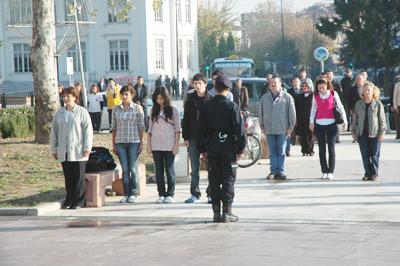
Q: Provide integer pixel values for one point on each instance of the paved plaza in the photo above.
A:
(304, 221)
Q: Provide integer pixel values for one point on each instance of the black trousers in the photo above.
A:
(326, 135)
(221, 178)
(306, 141)
(109, 117)
(75, 183)
(96, 120)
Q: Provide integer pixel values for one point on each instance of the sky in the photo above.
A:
(243, 6)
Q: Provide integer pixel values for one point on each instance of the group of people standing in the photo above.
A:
(307, 112)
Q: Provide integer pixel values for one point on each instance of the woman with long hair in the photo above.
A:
(368, 128)
(323, 123)
(163, 142)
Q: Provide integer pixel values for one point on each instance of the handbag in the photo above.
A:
(338, 115)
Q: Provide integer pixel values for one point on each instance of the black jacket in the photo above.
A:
(354, 97)
(190, 122)
(303, 110)
(142, 97)
(221, 129)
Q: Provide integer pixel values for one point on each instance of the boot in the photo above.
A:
(217, 212)
(227, 215)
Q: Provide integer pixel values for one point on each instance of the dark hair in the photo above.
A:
(73, 91)
(110, 79)
(128, 88)
(277, 77)
(200, 77)
(302, 70)
(94, 85)
(155, 111)
(217, 72)
(323, 81)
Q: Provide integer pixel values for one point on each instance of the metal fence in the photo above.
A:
(16, 99)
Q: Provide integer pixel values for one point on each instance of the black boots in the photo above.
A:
(217, 212)
(227, 215)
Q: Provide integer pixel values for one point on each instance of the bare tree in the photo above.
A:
(44, 68)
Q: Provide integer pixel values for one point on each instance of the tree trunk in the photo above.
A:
(44, 68)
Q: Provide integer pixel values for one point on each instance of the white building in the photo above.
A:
(144, 44)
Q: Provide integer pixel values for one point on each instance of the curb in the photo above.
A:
(33, 211)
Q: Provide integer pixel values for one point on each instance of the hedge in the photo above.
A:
(17, 123)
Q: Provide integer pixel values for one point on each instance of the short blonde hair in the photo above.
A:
(375, 89)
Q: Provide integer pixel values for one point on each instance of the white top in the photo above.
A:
(94, 102)
(327, 121)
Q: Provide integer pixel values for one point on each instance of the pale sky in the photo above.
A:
(243, 6)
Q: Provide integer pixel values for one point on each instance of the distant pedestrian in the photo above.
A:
(323, 123)
(241, 98)
(61, 94)
(213, 90)
(303, 77)
(277, 120)
(347, 83)
(163, 142)
(396, 107)
(303, 109)
(167, 82)
(95, 107)
(265, 87)
(113, 99)
(295, 91)
(159, 82)
(79, 88)
(141, 97)
(71, 144)
(338, 88)
(369, 127)
(174, 85)
(127, 140)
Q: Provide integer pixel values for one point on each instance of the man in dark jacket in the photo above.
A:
(222, 140)
(347, 83)
(240, 95)
(175, 89)
(190, 128)
(141, 97)
(167, 81)
(338, 89)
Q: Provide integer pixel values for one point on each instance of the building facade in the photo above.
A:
(145, 42)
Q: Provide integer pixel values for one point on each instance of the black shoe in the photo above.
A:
(75, 207)
(227, 215)
(270, 176)
(276, 177)
(282, 177)
(65, 206)
(337, 141)
(217, 212)
(288, 154)
(397, 137)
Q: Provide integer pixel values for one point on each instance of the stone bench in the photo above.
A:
(96, 183)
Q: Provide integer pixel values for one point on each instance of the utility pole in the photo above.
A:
(78, 39)
(283, 34)
(177, 46)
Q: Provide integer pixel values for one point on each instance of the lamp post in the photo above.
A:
(177, 45)
(283, 34)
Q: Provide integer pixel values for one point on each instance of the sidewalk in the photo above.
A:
(303, 198)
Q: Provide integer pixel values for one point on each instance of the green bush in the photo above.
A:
(16, 123)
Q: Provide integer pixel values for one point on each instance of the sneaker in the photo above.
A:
(131, 199)
(124, 200)
(192, 199)
(324, 176)
(160, 199)
(169, 199)
(330, 176)
(282, 176)
(270, 176)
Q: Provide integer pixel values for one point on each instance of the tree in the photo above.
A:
(44, 68)
(369, 28)
(230, 44)
(222, 49)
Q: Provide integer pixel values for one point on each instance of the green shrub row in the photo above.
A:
(17, 123)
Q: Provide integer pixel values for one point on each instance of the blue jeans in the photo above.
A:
(128, 155)
(370, 152)
(194, 156)
(288, 143)
(277, 149)
(164, 160)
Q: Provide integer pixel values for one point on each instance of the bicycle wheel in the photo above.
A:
(251, 153)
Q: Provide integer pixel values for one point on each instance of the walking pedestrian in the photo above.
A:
(303, 109)
(303, 77)
(396, 107)
(323, 123)
(222, 140)
(175, 89)
(127, 140)
(71, 143)
(213, 90)
(159, 82)
(95, 107)
(277, 120)
(241, 97)
(190, 131)
(61, 94)
(163, 142)
(113, 99)
(369, 127)
(295, 91)
(347, 83)
(167, 81)
(141, 96)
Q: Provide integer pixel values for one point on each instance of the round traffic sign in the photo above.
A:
(321, 54)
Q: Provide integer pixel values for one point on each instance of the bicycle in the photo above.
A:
(252, 151)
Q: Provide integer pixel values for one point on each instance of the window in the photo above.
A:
(159, 54)
(69, 10)
(20, 11)
(73, 52)
(189, 58)
(179, 10)
(22, 61)
(119, 56)
(113, 13)
(158, 15)
(188, 11)
(180, 61)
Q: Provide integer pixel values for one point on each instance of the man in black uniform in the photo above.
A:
(222, 140)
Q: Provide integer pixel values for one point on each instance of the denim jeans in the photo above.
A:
(277, 149)
(164, 160)
(326, 134)
(288, 143)
(370, 152)
(194, 156)
(128, 155)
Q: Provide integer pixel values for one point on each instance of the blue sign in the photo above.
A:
(321, 54)
(396, 42)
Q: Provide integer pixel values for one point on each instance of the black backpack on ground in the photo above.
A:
(100, 159)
